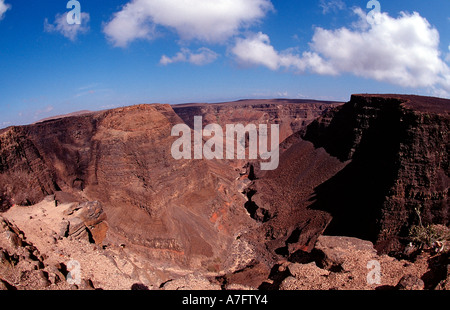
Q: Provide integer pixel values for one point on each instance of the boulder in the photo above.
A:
(86, 221)
(63, 229)
(304, 276)
(10, 236)
(410, 282)
(331, 252)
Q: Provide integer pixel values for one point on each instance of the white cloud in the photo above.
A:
(257, 50)
(3, 8)
(402, 51)
(69, 31)
(129, 24)
(202, 57)
(204, 20)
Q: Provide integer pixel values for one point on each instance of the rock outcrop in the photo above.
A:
(25, 176)
(361, 170)
(398, 152)
(22, 266)
(85, 221)
(347, 263)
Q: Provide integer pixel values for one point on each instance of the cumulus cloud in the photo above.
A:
(402, 51)
(202, 57)
(129, 24)
(69, 31)
(256, 49)
(204, 20)
(3, 8)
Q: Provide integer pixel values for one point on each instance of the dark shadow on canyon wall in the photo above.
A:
(370, 139)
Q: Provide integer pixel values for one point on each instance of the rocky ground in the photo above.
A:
(41, 224)
(344, 263)
(40, 250)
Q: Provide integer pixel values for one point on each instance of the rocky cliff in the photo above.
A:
(290, 114)
(398, 147)
(25, 178)
(169, 210)
(183, 212)
(361, 170)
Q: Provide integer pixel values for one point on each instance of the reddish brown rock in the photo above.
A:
(86, 221)
(174, 211)
(359, 170)
(410, 283)
(290, 114)
(397, 149)
(25, 176)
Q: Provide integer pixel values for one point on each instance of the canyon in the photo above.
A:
(104, 189)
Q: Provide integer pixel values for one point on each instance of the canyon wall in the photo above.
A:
(362, 170)
(164, 208)
(186, 212)
(290, 114)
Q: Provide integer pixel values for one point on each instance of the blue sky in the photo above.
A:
(177, 51)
